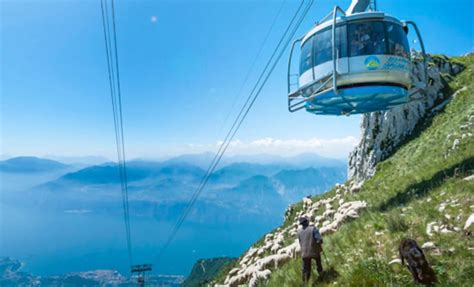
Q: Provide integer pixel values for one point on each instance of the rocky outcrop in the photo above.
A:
(450, 221)
(282, 245)
(382, 132)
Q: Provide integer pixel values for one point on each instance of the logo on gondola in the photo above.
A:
(372, 63)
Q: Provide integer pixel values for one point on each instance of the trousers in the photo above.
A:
(307, 266)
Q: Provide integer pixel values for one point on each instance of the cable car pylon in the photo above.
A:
(140, 271)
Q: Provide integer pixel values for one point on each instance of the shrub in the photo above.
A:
(396, 223)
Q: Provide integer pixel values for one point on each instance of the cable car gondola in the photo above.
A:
(356, 63)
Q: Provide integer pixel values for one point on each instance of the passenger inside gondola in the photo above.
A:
(366, 38)
(397, 41)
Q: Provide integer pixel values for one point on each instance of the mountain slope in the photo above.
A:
(136, 170)
(236, 172)
(424, 191)
(205, 270)
(24, 164)
(295, 184)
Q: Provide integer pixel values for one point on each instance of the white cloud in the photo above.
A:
(336, 147)
(332, 147)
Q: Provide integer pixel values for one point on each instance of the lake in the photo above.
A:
(51, 242)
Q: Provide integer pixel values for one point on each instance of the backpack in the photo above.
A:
(417, 263)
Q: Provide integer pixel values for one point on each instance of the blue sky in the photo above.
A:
(179, 75)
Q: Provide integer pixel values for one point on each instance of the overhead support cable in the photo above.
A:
(110, 39)
(252, 97)
(254, 62)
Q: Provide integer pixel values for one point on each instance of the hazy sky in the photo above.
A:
(182, 64)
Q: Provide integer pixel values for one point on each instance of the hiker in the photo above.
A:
(417, 263)
(311, 247)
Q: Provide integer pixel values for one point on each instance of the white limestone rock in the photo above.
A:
(456, 144)
(395, 261)
(382, 132)
(428, 245)
(469, 222)
(445, 230)
(468, 178)
(430, 228)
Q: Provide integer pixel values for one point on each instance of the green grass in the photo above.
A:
(205, 270)
(403, 197)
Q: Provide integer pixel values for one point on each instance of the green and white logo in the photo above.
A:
(372, 63)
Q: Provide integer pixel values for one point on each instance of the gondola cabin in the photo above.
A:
(352, 64)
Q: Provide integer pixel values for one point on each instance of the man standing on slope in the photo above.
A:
(311, 247)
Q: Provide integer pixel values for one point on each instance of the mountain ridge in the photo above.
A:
(30, 164)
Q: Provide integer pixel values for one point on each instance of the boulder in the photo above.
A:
(431, 227)
(395, 261)
(469, 222)
(428, 245)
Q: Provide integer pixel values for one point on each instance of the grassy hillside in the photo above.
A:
(424, 181)
(205, 269)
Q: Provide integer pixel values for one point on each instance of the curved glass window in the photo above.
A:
(366, 38)
(323, 45)
(397, 40)
(360, 38)
(341, 41)
(306, 55)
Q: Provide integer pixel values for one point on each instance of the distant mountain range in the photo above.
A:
(236, 191)
(202, 160)
(246, 198)
(27, 164)
(302, 160)
(79, 160)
